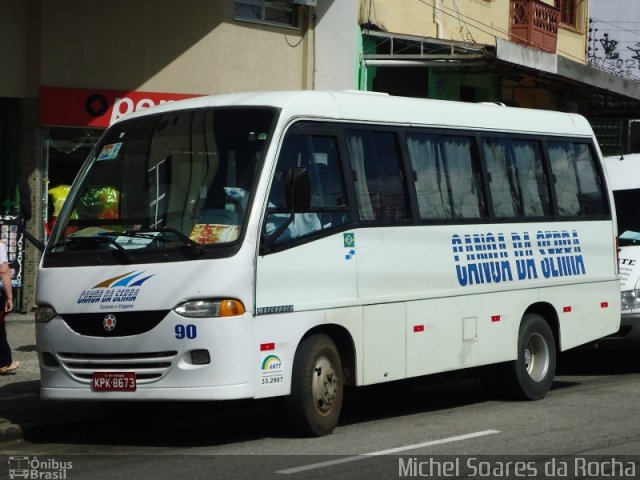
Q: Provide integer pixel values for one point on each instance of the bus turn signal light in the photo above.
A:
(231, 308)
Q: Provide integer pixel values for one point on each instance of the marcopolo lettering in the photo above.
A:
(275, 309)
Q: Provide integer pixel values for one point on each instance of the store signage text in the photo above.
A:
(76, 107)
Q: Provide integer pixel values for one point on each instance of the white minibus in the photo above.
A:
(290, 244)
(624, 180)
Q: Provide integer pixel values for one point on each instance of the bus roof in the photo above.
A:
(382, 108)
(623, 171)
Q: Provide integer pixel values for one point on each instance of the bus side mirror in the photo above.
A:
(298, 199)
(298, 191)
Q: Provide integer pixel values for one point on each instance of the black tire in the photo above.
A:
(316, 387)
(530, 376)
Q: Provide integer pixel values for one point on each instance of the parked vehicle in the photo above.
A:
(292, 243)
(624, 179)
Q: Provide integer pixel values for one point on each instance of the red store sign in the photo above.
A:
(96, 108)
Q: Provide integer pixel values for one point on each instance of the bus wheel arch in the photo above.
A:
(550, 315)
(345, 345)
(531, 374)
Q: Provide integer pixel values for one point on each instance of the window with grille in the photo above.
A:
(568, 12)
(269, 12)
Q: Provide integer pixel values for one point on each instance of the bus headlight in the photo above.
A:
(45, 314)
(630, 299)
(210, 308)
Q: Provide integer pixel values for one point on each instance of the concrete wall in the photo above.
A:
(573, 43)
(164, 45)
(13, 48)
(408, 17)
(336, 42)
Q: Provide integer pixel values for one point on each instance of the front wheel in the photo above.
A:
(316, 387)
(530, 376)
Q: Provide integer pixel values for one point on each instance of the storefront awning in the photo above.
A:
(601, 94)
(394, 50)
(594, 92)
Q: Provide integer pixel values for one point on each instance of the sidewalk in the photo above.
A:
(21, 409)
(19, 390)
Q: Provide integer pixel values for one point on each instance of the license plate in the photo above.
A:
(114, 381)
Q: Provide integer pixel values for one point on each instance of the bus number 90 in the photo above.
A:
(186, 331)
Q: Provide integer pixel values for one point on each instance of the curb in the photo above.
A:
(13, 316)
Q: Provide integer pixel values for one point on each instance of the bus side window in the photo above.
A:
(528, 171)
(380, 188)
(592, 200)
(318, 154)
(578, 186)
(463, 178)
(431, 180)
(516, 177)
(505, 193)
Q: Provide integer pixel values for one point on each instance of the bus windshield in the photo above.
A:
(166, 181)
(628, 216)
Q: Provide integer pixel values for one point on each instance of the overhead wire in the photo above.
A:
(469, 35)
(617, 66)
(619, 27)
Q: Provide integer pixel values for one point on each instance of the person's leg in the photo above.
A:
(5, 349)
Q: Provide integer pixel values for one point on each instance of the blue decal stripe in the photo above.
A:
(141, 281)
(124, 282)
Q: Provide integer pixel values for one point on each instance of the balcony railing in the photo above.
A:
(535, 24)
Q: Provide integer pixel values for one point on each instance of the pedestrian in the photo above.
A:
(6, 305)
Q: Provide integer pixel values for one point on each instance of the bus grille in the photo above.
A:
(148, 366)
(123, 324)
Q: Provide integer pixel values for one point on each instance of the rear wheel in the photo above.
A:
(530, 376)
(316, 387)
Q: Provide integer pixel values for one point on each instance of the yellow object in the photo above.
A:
(231, 308)
(58, 196)
(100, 202)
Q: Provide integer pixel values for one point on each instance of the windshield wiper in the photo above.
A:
(98, 239)
(196, 248)
(146, 239)
(127, 233)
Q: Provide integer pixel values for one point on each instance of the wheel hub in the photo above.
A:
(325, 385)
(536, 357)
